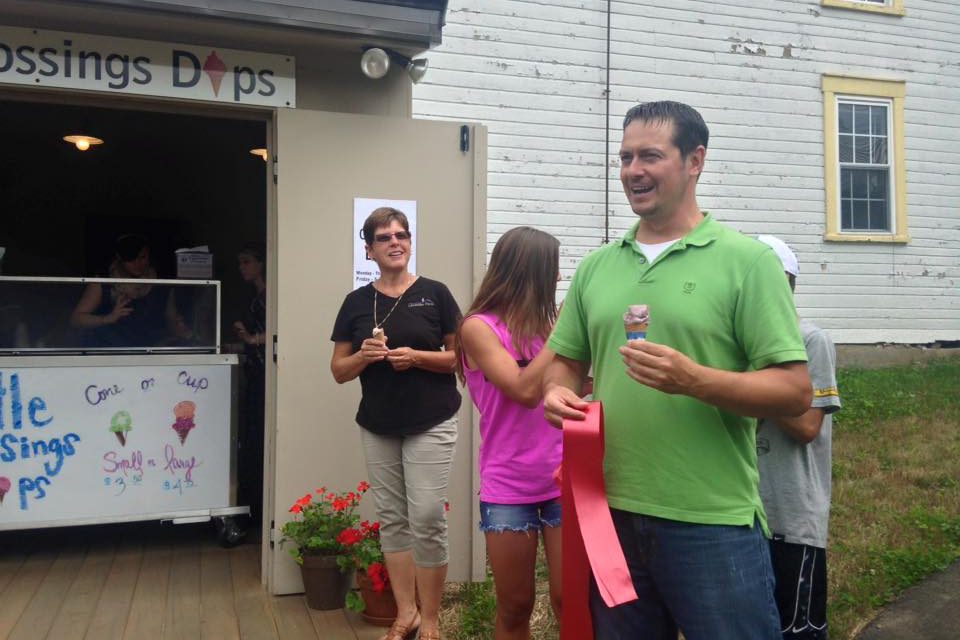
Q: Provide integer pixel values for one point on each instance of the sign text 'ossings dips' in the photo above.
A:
(121, 65)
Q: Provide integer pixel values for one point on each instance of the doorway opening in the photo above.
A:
(179, 180)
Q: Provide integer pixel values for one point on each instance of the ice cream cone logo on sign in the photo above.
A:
(214, 67)
(4, 487)
(120, 425)
(184, 412)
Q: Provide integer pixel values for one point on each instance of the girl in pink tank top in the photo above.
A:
(502, 360)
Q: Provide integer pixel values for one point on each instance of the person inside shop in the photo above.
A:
(502, 362)
(397, 335)
(128, 314)
(252, 330)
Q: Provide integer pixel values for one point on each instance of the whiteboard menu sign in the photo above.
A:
(106, 443)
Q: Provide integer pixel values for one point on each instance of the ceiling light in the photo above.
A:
(82, 142)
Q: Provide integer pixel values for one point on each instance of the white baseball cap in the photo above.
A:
(789, 259)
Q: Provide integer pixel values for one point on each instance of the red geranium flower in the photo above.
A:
(349, 537)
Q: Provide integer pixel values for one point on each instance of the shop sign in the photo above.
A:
(121, 65)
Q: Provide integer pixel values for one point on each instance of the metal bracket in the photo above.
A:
(464, 138)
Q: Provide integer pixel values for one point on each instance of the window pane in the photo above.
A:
(878, 120)
(846, 183)
(878, 153)
(846, 217)
(846, 148)
(878, 184)
(878, 215)
(859, 184)
(861, 215)
(845, 113)
(861, 148)
(861, 118)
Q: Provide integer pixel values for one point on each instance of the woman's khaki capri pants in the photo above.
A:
(408, 477)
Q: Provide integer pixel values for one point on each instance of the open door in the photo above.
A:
(325, 160)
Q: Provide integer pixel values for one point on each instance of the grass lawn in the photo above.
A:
(895, 515)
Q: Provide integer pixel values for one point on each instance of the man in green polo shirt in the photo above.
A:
(722, 344)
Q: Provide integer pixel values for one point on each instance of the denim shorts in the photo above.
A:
(519, 517)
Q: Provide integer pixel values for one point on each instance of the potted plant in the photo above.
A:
(317, 531)
(373, 596)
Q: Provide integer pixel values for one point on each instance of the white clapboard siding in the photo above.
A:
(534, 72)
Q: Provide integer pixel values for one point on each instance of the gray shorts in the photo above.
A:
(408, 478)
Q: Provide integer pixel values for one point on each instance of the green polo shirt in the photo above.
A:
(720, 298)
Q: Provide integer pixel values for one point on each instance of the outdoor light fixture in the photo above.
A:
(375, 63)
(81, 141)
(260, 152)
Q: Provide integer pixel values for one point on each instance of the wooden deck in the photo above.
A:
(144, 580)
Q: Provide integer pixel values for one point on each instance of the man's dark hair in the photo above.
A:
(689, 129)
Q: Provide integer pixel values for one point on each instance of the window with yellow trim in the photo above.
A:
(894, 7)
(864, 154)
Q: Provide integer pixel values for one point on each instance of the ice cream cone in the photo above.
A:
(120, 424)
(184, 411)
(635, 321)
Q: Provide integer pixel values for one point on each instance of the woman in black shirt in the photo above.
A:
(397, 335)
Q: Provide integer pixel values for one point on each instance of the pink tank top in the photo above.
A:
(519, 450)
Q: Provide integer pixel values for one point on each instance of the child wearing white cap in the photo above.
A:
(794, 458)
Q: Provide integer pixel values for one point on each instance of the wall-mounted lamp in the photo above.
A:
(375, 63)
(260, 152)
(82, 142)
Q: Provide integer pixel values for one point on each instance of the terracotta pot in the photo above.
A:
(325, 585)
(380, 608)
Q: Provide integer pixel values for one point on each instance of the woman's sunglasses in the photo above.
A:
(386, 237)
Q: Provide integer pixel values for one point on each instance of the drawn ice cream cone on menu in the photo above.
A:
(121, 424)
(635, 321)
(214, 67)
(4, 487)
(184, 412)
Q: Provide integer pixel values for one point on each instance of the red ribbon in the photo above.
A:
(590, 541)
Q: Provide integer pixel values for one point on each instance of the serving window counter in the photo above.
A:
(130, 420)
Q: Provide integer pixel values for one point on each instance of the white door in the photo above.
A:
(325, 160)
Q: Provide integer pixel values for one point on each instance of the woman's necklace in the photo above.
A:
(377, 332)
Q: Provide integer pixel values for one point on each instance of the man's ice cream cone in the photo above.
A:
(635, 321)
